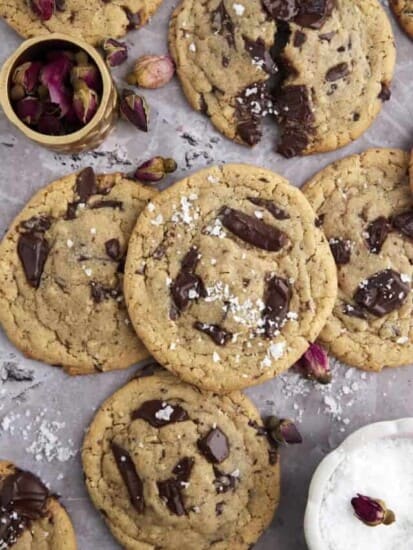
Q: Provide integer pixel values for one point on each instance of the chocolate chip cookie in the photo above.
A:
(403, 10)
(30, 517)
(61, 272)
(365, 207)
(324, 73)
(172, 467)
(228, 278)
(93, 20)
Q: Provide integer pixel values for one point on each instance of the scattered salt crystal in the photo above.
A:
(93, 230)
(192, 47)
(158, 220)
(239, 9)
(402, 340)
(88, 271)
(150, 207)
(165, 413)
(69, 243)
(215, 357)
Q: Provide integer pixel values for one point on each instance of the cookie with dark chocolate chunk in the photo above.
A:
(403, 11)
(245, 281)
(160, 453)
(61, 274)
(372, 323)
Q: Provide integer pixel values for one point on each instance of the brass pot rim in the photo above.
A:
(6, 73)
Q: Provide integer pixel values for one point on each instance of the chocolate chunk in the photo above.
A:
(106, 204)
(190, 260)
(260, 54)
(130, 477)
(299, 39)
(382, 293)
(135, 19)
(252, 104)
(341, 250)
(314, 13)
(224, 482)
(100, 292)
(36, 224)
(253, 230)
(276, 211)
(377, 232)
(183, 469)
(33, 251)
(86, 185)
(319, 220)
(250, 131)
(222, 24)
(337, 72)
(186, 287)
(60, 5)
(354, 311)
(225, 61)
(218, 334)
(283, 10)
(71, 210)
(112, 247)
(170, 491)
(214, 446)
(277, 300)
(404, 223)
(294, 141)
(160, 413)
(385, 92)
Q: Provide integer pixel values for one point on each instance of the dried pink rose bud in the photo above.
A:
(17, 92)
(283, 431)
(152, 71)
(155, 169)
(134, 109)
(50, 125)
(29, 110)
(27, 75)
(85, 102)
(314, 364)
(116, 52)
(44, 9)
(89, 74)
(53, 76)
(372, 511)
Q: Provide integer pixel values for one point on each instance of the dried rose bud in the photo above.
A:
(85, 102)
(42, 92)
(29, 110)
(27, 75)
(82, 58)
(372, 511)
(53, 76)
(134, 109)
(50, 125)
(44, 9)
(17, 92)
(152, 71)
(89, 74)
(155, 169)
(314, 364)
(116, 52)
(283, 431)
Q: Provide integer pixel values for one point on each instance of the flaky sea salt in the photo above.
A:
(380, 469)
(164, 413)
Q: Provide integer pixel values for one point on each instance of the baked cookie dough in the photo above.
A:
(172, 467)
(30, 517)
(365, 207)
(403, 10)
(227, 277)
(92, 20)
(335, 63)
(61, 271)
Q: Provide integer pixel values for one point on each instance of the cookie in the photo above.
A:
(366, 210)
(333, 67)
(61, 271)
(227, 277)
(30, 517)
(172, 467)
(92, 21)
(403, 10)
(411, 170)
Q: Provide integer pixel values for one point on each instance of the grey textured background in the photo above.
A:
(325, 415)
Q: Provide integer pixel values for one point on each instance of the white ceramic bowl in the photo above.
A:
(394, 428)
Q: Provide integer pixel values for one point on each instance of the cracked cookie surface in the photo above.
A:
(61, 271)
(35, 520)
(227, 277)
(403, 10)
(366, 209)
(93, 20)
(170, 466)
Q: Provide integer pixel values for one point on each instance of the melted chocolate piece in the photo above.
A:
(382, 293)
(277, 300)
(170, 491)
(276, 211)
(36, 224)
(160, 413)
(341, 250)
(33, 251)
(253, 230)
(337, 72)
(222, 24)
(377, 232)
(354, 311)
(112, 247)
(252, 104)
(283, 10)
(186, 287)
(224, 482)
(183, 469)
(190, 260)
(71, 210)
(130, 477)
(86, 185)
(404, 223)
(385, 92)
(260, 54)
(100, 292)
(106, 204)
(299, 39)
(214, 446)
(218, 334)
(314, 13)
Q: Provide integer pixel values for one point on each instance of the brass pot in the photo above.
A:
(88, 137)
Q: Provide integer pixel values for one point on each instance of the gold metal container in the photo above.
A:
(88, 137)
